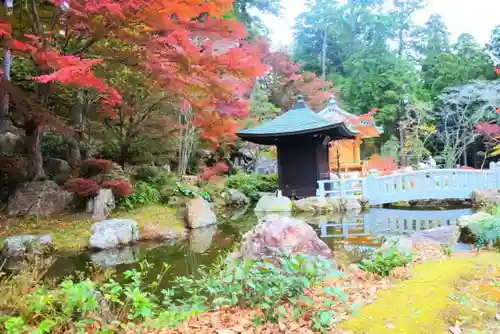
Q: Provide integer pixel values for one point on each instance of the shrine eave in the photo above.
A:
(333, 131)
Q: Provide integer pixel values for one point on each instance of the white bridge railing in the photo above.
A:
(386, 221)
(412, 186)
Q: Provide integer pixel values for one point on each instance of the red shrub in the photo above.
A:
(120, 188)
(219, 168)
(94, 167)
(82, 187)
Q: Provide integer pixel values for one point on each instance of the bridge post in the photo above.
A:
(495, 167)
(320, 192)
(368, 184)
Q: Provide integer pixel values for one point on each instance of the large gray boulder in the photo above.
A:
(199, 213)
(270, 203)
(277, 235)
(101, 205)
(43, 198)
(112, 233)
(235, 197)
(485, 198)
(17, 246)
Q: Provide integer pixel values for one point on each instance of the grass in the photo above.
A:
(440, 294)
(72, 232)
(67, 232)
(156, 215)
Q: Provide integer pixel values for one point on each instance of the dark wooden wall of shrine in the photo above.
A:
(301, 163)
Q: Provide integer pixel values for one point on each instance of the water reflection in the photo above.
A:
(351, 238)
(388, 221)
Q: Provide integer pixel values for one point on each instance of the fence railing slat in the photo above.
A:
(408, 186)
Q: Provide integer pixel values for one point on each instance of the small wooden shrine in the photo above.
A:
(301, 137)
(345, 154)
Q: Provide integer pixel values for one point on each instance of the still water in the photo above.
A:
(350, 237)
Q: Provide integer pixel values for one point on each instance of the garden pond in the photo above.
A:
(351, 238)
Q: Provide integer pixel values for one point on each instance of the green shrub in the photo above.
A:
(487, 231)
(73, 306)
(165, 183)
(56, 145)
(252, 184)
(143, 194)
(256, 283)
(146, 174)
(383, 263)
(186, 190)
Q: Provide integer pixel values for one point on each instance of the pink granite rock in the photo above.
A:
(276, 234)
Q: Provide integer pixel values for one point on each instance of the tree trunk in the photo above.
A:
(122, 159)
(74, 156)
(323, 55)
(402, 158)
(7, 62)
(33, 151)
(186, 140)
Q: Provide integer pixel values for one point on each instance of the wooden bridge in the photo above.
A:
(390, 221)
(412, 186)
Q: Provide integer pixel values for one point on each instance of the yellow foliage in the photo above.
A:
(426, 303)
(428, 129)
(496, 151)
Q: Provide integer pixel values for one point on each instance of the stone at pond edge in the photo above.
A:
(486, 198)
(113, 257)
(18, 246)
(235, 197)
(113, 233)
(350, 205)
(101, 205)
(318, 205)
(276, 235)
(158, 233)
(270, 203)
(199, 213)
(43, 198)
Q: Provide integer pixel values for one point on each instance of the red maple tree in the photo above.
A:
(186, 47)
(286, 81)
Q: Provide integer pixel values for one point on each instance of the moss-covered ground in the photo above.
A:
(72, 232)
(442, 296)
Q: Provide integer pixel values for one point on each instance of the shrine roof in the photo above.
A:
(364, 124)
(300, 120)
